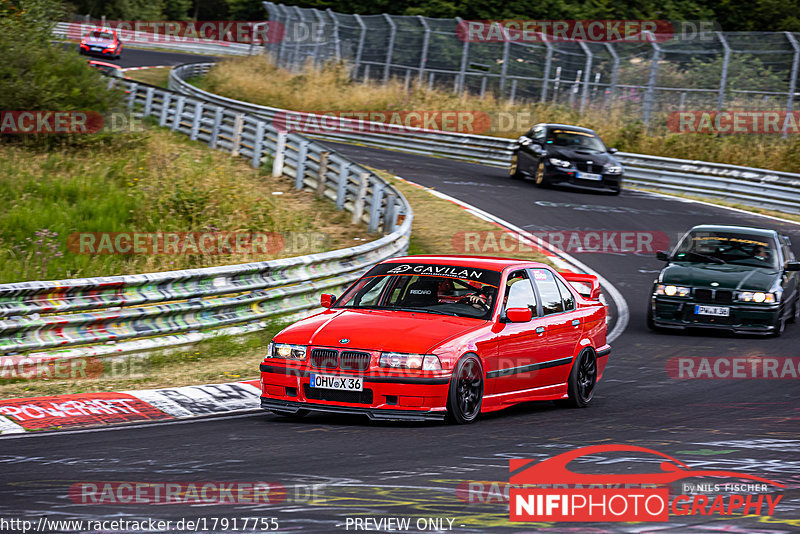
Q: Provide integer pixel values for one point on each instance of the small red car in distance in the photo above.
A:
(101, 42)
(442, 338)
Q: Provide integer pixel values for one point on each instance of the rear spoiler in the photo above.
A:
(586, 284)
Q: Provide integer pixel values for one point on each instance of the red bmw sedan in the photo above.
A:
(442, 338)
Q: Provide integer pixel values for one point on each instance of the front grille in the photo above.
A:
(718, 296)
(354, 361)
(335, 395)
(324, 358)
(594, 167)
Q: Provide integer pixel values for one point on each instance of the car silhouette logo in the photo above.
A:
(554, 470)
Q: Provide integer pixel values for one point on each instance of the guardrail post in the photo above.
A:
(258, 144)
(162, 120)
(390, 215)
(322, 174)
(425, 42)
(176, 120)
(198, 116)
(548, 62)
(280, 150)
(375, 207)
(132, 96)
(587, 75)
(300, 170)
(513, 90)
(723, 79)
(238, 123)
(504, 63)
(360, 49)
(148, 101)
(614, 72)
(212, 141)
(361, 196)
(390, 48)
(341, 187)
(792, 82)
(651, 82)
(337, 48)
(462, 71)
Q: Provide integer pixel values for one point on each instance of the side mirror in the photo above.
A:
(661, 255)
(327, 300)
(524, 141)
(612, 150)
(793, 266)
(519, 315)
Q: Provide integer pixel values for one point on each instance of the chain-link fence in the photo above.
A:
(709, 70)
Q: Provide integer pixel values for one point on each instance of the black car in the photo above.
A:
(566, 155)
(732, 278)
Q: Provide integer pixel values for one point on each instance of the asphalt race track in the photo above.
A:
(381, 470)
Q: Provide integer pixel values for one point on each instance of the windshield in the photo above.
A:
(102, 35)
(727, 247)
(426, 288)
(575, 139)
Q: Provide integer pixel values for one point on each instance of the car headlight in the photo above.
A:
(673, 291)
(286, 352)
(759, 297)
(560, 162)
(613, 169)
(398, 360)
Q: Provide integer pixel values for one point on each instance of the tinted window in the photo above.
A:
(519, 292)
(548, 291)
(720, 247)
(566, 297)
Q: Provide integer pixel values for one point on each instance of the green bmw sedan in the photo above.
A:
(727, 277)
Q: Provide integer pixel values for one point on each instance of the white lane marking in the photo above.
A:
(623, 312)
(731, 208)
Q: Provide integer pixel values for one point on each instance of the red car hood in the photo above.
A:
(393, 331)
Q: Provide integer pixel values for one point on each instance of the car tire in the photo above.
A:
(582, 380)
(651, 323)
(299, 414)
(513, 170)
(465, 397)
(541, 181)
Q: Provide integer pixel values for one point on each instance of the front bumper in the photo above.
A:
(744, 318)
(384, 397)
(570, 177)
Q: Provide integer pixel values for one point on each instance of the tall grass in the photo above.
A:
(328, 88)
(156, 181)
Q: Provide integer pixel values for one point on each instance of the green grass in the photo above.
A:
(152, 181)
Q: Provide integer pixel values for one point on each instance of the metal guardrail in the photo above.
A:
(70, 318)
(76, 30)
(749, 186)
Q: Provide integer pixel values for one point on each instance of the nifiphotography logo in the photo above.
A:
(571, 496)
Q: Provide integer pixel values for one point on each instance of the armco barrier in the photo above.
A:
(744, 185)
(117, 314)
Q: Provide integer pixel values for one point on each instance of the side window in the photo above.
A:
(566, 296)
(519, 292)
(548, 291)
(788, 254)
